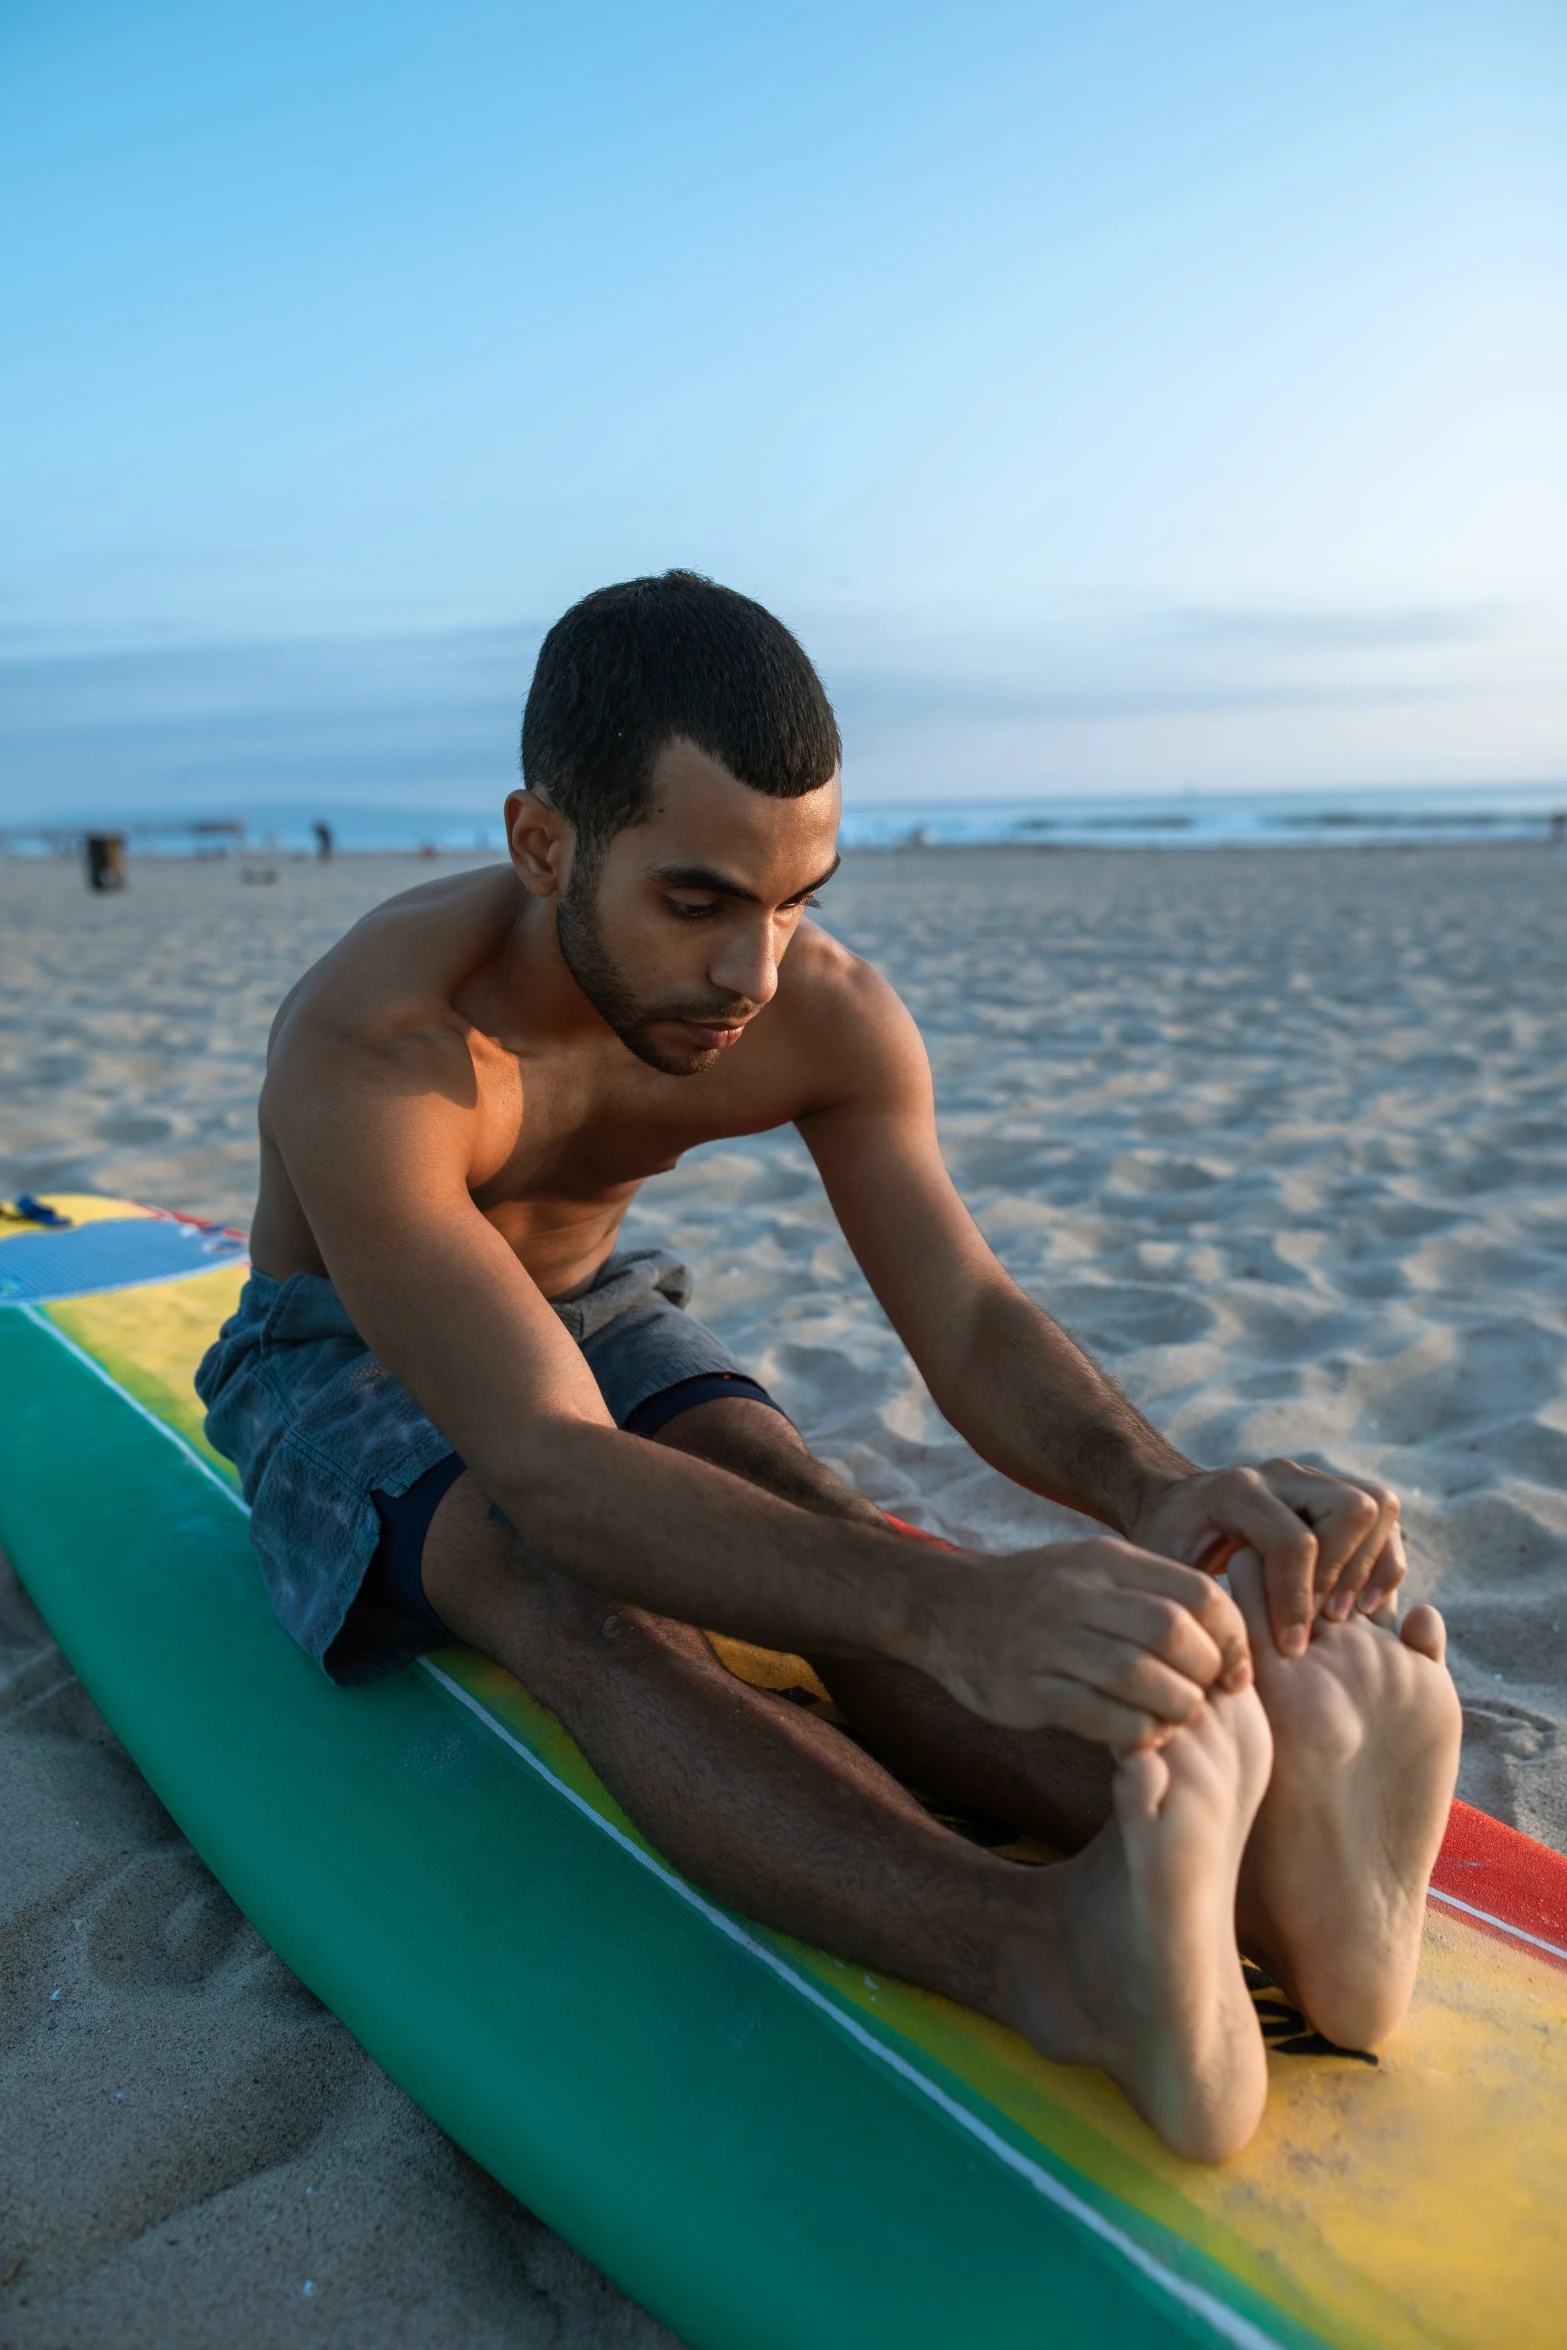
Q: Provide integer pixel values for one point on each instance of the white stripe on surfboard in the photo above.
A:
(1435, 1893)
(1226, 2323)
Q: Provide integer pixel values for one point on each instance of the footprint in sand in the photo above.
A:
(164, 1920)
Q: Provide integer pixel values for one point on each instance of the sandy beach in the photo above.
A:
(1278, 1134)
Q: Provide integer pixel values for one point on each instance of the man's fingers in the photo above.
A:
(1340, 1601)
(1352, 1518)
(1380, 1552)
(1381, 1587)
(1101, 1624)
(1247, 1504)
(1069, 1705)
(1123, 1670)
(1343, 1513)
(1250, 1590)
(1202, 1598)
(1161, 1627)
(1320, 1538)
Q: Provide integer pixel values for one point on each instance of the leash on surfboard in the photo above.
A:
(27, 1210)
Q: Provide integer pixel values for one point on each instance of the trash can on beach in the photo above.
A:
(106, 860)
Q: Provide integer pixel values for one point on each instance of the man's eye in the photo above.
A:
(689, 912)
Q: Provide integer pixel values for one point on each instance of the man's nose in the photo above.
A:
(746, 964)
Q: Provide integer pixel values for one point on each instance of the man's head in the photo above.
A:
(681, 763)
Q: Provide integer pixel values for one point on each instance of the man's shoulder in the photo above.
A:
(384, 991)
(824, 975)
(849, 1019)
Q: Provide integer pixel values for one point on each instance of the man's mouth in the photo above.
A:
(712, 1035)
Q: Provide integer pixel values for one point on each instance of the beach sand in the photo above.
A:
(1279, 1135)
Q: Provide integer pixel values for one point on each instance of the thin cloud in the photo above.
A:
(1412, 628)
(434, 715)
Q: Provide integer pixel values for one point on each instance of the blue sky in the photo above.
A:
(1114, 398)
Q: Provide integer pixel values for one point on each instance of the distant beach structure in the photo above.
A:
(103, 850)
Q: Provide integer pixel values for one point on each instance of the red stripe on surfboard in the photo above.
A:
(1504, 1878)
(1509, 1878)
(918, 1532)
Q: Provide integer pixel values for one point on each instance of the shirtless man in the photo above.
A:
(459, 1414)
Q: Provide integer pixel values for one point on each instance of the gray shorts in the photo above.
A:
(343, 1470)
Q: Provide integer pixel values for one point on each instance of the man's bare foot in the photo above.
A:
(1366, 1728)
(1143, 1977)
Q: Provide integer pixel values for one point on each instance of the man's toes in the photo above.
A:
(1424, 1631)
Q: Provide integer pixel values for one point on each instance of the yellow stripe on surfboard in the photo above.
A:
(151, 1340)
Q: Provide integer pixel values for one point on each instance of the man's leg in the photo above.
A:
(1122, 1957)
(1366, 1729)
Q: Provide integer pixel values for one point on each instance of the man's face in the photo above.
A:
(677, 937)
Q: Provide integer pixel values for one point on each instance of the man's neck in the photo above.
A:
(522, 994)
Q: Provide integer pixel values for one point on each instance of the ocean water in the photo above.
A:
(1200, 820)
(1188, 820)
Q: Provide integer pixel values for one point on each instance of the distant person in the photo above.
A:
(459, 1413)
(325, 839)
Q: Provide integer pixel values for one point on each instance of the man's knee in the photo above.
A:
(733, 1427)
(753, 1441)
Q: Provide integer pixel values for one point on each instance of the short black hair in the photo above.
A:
(633, 666)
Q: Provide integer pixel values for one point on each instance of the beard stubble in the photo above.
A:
(586, 955)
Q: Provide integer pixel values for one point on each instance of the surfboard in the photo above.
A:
(759, 2142)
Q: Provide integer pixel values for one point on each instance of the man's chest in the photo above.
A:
(556, 1133)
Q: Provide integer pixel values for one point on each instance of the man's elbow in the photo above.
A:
(550, 1463)
(987, 1345)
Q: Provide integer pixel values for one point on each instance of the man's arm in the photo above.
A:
(1023, 1393)
(1108, 1641)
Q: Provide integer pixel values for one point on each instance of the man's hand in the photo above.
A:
(1093, 1637)
(1324, 1541)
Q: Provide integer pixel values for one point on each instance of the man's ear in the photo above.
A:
(540, 840)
